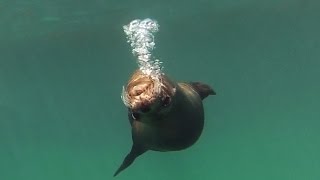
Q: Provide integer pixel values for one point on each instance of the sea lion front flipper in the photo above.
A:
(128, 160)
(202, 89)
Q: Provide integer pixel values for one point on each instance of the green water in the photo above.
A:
(63, 64)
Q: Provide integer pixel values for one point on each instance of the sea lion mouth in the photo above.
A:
(144, 93)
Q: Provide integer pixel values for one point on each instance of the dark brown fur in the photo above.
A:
(174, 127)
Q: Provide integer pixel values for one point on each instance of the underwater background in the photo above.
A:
(63, 65)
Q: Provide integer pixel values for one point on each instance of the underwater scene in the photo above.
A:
(159, 90)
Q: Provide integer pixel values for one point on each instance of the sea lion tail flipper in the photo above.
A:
(202, 89)
(128, 160)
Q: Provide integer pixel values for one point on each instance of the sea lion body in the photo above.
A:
(167, 116)
(175, 130)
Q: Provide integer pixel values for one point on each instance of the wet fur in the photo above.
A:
(171, 128)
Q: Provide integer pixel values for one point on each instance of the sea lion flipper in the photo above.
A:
(202, 89)
(128, 160)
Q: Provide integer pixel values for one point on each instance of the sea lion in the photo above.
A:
(164, 115)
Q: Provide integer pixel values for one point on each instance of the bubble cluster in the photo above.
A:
(140, 35)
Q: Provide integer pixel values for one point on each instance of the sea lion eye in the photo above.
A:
(145, 109)
(135, 115)
(166, 101)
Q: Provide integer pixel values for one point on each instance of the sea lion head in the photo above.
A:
(145, 94)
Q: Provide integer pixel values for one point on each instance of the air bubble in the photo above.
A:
(140, 35)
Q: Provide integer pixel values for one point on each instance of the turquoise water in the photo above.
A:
(63, 64)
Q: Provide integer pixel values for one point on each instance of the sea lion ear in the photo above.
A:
(202, 89)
